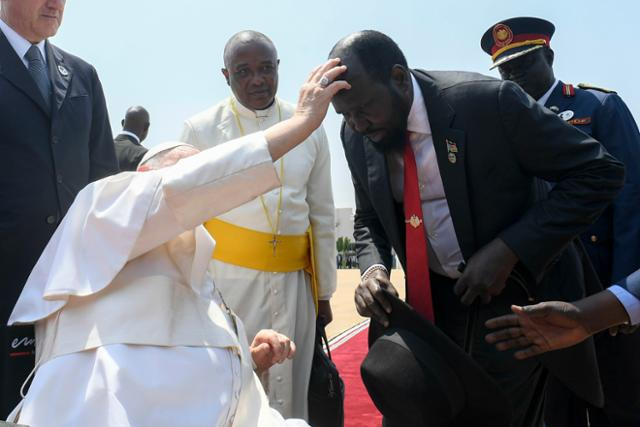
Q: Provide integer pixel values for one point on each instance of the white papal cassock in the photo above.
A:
(130, 328)
(277, 300)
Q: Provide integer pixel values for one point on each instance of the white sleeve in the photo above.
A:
(629, 301)
(231, 174)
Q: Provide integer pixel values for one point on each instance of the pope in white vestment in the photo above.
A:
(271, 297)
(130, 328)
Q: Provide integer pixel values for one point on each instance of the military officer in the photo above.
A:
(520, 49)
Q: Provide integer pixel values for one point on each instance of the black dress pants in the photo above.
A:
(620, 375)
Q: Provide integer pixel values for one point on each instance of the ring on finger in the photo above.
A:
(324, 82)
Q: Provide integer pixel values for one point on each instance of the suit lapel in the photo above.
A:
(450, 147)
(380, 188)
(60, 74)
(12, 68)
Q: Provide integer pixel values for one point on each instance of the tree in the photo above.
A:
(343, 245)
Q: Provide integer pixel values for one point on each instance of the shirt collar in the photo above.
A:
(245, 112)
(131, 134)
(19, 44)
(544, 98)
(418, 120)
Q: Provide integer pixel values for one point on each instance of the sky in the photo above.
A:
(167, 55)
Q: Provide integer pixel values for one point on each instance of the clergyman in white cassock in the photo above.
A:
(130, 327)
(259, 279)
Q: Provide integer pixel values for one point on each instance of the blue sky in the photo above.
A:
(167, 56)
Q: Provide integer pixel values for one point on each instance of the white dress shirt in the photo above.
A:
(20, 44)
(630, 302)
(443, 248)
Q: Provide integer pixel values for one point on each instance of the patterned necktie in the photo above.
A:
(418, 282)
(38, 71)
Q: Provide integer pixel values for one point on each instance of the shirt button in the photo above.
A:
(280, 402)
(59, 179)
(275, 314)
(55, 140)
(594, 238)
(51, 219)
(275, 292)
(279, 378)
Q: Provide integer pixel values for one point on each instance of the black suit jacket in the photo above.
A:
(504, 140)
(47, 156)
(128, 152)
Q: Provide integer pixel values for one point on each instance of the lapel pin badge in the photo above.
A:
(63, 71)
(452, 149)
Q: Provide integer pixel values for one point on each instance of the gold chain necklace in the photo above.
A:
(274, 229)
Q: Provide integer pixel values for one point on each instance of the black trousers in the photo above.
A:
(523, 381)
(17, 356)
(617, 360)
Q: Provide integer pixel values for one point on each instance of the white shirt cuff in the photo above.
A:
(629, 301)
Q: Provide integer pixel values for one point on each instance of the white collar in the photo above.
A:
(418, 120)
(19, 44)
(544, 98)
(246, 112)
(131, 134)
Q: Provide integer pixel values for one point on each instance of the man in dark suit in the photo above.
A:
(54, 139)
(129, 149)
(521, 50)
(444, 167)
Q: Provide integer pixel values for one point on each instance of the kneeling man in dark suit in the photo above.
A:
(444, 166)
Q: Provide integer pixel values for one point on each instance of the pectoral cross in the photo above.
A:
(274, 242)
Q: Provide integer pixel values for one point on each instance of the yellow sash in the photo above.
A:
(254, 249)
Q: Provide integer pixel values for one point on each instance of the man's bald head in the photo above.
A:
(251, 69)
(369, 51)
(381, 94)
(243, 39)
(136, 120)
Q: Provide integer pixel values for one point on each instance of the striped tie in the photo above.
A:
(38, 71)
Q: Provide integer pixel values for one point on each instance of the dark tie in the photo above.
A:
(38, 70)
(418, 283)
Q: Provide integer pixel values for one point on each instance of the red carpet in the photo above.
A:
(348, 351)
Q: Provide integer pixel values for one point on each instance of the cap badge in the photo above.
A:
(502, 35)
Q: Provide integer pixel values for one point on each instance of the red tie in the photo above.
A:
(418, 284)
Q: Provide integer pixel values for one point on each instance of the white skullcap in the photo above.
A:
(164, 146)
